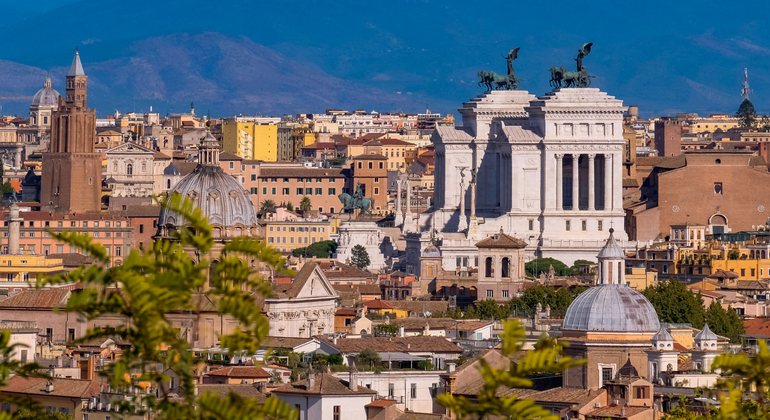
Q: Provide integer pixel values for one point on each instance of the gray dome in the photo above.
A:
(46, 96)
(431, 251)
(611, 249)
(611, 307)
(221, 198)
(171, 169)
(706, 334)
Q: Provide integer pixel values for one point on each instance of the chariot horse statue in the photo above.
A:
(357, 201)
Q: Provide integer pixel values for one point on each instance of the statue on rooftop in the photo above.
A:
(579, 78)
(494, 81)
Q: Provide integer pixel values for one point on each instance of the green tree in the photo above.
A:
(425, 365)
(746, 114)
(673, 302)
(547, 357)
(487, 309)
(368, 357)
(542, 265)
(6, 187)
(163, 280)
(724, 322)
(733, 255)
(359, 257)
(321, 249)
(386, 330)
(764, 124)
(267, 206)
(335, 359)
(27, 414)
(305, 204)
(289, 206)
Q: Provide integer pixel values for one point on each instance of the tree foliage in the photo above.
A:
(322, 249)
(673, 302)
(267, 206)
(305, 204)
(725, 322)
(543, 265)
(163, 280)
(27, 414)
(746, 114)
(386, 330)
(368, 357)
(547, 357)
(359, 257)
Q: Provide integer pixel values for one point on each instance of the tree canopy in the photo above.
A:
(673, 302)
(359, 257)
(305, 204)
(368, 357)
(746, 114)
(724, 322)
(542, 265)
(322, 249)
(267, 206)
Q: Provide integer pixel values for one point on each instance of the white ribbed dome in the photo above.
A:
(611, 308)
(46, 96)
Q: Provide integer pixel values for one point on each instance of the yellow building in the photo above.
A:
(252, 141)
(749, 260)
(287, 235)
(396, 151)
(302, 136)
(21, 271)
(713, 122)
(639, 278)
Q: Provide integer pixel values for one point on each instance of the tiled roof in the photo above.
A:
(300, 173)
(160, 155)
(320, 146)
(757, 326)
(284, 342)
(345, 312)
(142, 211)
(341, 271)
(411, 415)
(62, 387)
(227, 156)
(36, 299)
(186, 168)
(420, 306)
(72, 260)
(378, 304)
(501, 240)
(222, 390)
(381, 403)
(325, 384)
(611, 412)
(472, 325)
(241, 372)
(290, 290)
(370, 157)
(395, 344)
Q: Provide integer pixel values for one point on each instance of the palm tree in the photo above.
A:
(267, 206)
(305, 205)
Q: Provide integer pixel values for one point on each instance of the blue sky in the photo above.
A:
(666, 57)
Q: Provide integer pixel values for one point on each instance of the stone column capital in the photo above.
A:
(591, 156)
(559, 156)
(576, 155)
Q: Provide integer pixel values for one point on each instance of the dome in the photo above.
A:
(221, 198)
(171, 170)
(706, 334)
(611, 308)
(431, 251)
(46, 96)
(611, 249)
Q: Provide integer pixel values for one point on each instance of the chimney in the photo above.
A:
(261, 387)
(353, 382)
(623, 411)
(14, 223)
(450, 367)
(310, 381)
(401, 331)
(334, 340)
(49, 387)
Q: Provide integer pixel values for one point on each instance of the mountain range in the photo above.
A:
(270, 58)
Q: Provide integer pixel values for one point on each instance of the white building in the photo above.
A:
(325, 397)
(303, 308)
(547, 170)
(131, 166)
(412, 390)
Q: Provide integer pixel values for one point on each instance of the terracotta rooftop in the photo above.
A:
(36, 299)
(223, 390)
(757, 326)
(62, 387)
(241, 372)
(378, 304)
(320, 146)
(394, 344)
(381, 403)
(617, 412)
(291, 290)
(284, 342)
(420, 306)
(370, 157)
(501, 240)
(325, 384)
(227, 156)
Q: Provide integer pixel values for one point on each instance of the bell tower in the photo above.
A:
(72, 170)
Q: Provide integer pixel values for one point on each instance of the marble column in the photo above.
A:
(399, 216)
(575, 182)
(559, 180)
(463, 222)
(473, 226)
(408, 215)
(607, 181)
(591, 183)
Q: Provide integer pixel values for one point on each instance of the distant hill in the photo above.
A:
(225, 75)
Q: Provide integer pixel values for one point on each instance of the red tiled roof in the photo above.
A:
(615, 412)
(36, 299)
(320, 146)
(380, 403)
(681, 348)
(418, 344)
(379, 304)
(325, 384)
(757, 326)
(501, 240)
(241, 372)
(394, 142)
(62, 387)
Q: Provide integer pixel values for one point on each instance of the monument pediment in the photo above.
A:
(130, 148)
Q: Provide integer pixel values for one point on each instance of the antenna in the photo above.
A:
(745, 91)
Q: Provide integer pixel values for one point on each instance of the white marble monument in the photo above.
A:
(366, 234)
(547, 171)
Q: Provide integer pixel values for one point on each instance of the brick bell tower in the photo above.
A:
(72, 170)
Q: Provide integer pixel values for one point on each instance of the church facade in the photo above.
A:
(545, 169)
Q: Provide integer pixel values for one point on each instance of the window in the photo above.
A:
(413, 394)
(391, 388)
(370, 165)
(232, 165)
(336, 412)
(270, 240)
(85, 224)
(641, 392)
(272, 190)
(319, 191)
(59, 224)
(600, 226)
(141, 228)
(308, 191)
(273, 179)
(376, 179)
(753, 272)
(71, 334)
(24, 356)
(665, 268)
(117, 251)
(285, 191)
(380, 165)
(130, 169)
(531, 225)
(6, 407)
(566, 225)
(49, 334)
(59, 249)
(359, 165)
(254, 191)
(96, 234)
(253, 177)
(718, 188)
(46, 249)
(376, 190)
(72, 224)
(606, 375)
(584, 225)
(490, 293)
(505, 293)
(743, 272)
(332, 191)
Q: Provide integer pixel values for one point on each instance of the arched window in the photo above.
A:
(168, 184)
(129, 169)
(212, 272)
(490, 267)
(504, 270)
